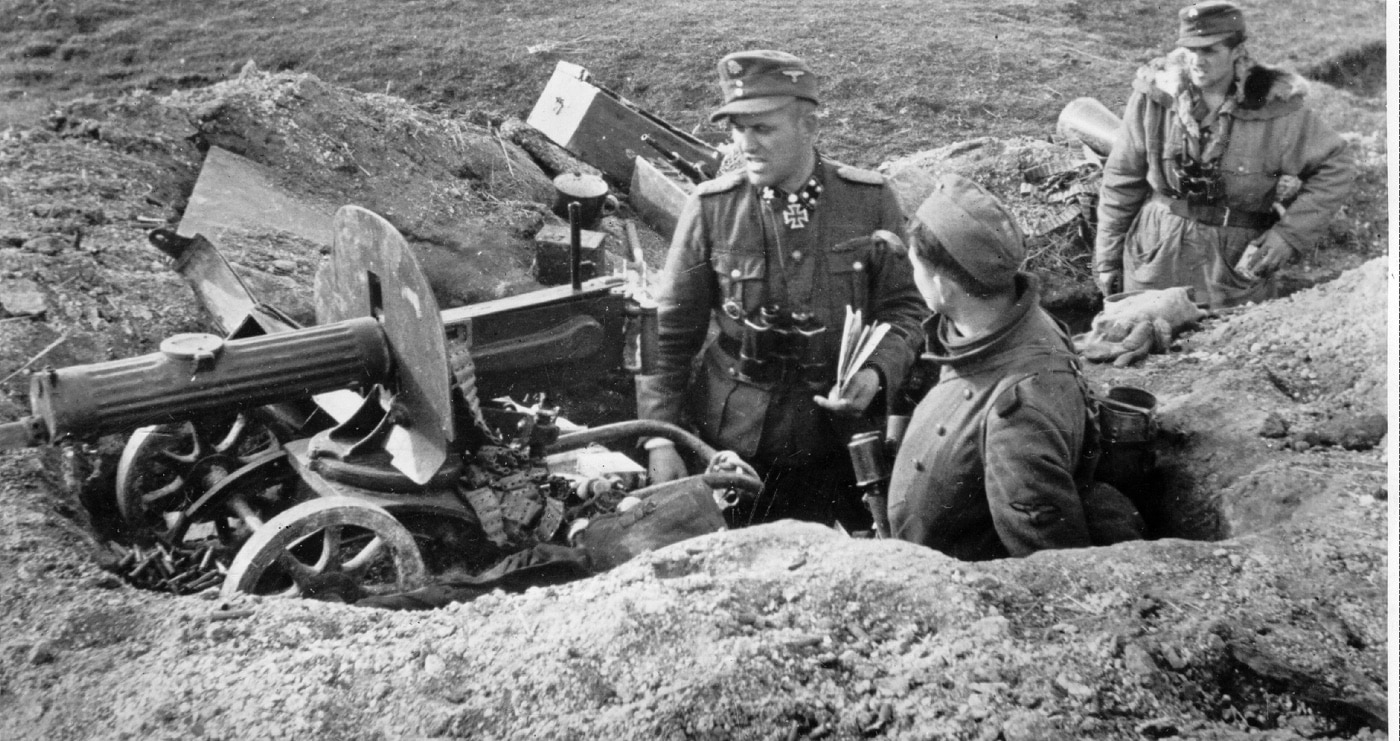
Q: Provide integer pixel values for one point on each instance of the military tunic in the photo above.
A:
(1270, 134)
(991, 463)
(731, 254)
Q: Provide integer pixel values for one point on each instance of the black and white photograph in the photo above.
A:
(922, 370)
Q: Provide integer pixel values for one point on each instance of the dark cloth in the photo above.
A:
(1266, 133)
(991, 464)
(731, 247)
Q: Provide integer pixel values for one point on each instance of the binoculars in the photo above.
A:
(1200, 182)
(777, 344)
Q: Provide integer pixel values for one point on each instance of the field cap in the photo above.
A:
(1206, 23)
(762, 80)
(976, 229)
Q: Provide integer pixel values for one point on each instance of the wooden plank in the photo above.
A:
(657, 196)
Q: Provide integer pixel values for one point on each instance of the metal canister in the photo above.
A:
(895, 426)
(867, 453)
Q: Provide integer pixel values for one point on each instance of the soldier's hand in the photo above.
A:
(1110, 282)
(664, 464)
(856, 398)
(1274, 252)
(727, 461)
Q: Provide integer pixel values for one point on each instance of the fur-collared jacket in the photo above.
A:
(1273, 135)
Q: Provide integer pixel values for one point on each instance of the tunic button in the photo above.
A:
(857, 265)
(967, 394)
(735, 274)
(797, 255)
(942, 430)
(732, 372)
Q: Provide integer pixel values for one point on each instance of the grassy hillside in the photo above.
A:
(901, 75)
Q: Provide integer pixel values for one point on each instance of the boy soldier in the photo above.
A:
(773, 254)
(1216, 154)
(993, 463)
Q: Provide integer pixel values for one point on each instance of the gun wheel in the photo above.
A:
(330, 547)
(166, 468)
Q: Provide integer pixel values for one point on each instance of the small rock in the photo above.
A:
(43, 652)
(1274, 426)
(433, 665)
(47, 244)
(1073, 687)
(1156, 728)
(283, 266)
(1362, 432)
(1025, 725)
(1173, 657)
(991, 627)
(1147, 607)
(1137, 660)
(22, 297)
(105, 580)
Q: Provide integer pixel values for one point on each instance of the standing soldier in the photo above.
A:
(1216, 155)
(774, 254)
(994, 462)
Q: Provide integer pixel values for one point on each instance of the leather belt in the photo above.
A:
(1220, 215)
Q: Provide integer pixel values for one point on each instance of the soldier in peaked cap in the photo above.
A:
(773, 255)
(1216, 154)
(993, 463)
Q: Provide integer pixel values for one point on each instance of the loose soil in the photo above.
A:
(1258, 610)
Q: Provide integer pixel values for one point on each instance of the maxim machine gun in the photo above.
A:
(353, 454)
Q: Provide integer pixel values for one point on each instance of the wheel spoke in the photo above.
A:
(200, 439)
(152, 500)
(234, 436)
(362, 560)
(298, 571)
(330, 549)
(175, 456)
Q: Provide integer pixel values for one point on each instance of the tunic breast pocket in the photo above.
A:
(741, 287)
(850, 277)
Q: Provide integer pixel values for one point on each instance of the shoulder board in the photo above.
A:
(721, 184)
(857, 175)
(1009, 400)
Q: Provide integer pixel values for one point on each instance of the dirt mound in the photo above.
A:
(787, 630)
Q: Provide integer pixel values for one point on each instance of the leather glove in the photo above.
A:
(1274, 252)
(1109, 281)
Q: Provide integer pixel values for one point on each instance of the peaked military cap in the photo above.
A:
(762, 80)
(1210, 22)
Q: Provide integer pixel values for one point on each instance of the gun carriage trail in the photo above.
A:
(1256, 609)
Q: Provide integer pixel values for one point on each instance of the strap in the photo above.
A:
(1220, 215)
